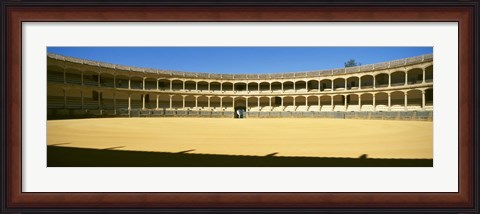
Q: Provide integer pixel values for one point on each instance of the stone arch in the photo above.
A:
(300, 85)
(288, 86)
(326, 85)
(215, 86)
(352, 83)
(121, 81)
(202, 85)
(339, 84)
(381, 80)
(397, 78)
(150, 83)
(177, 85)
(312, 85)
(190, 85)
(429, 73)
(367, 81)
(415, 76)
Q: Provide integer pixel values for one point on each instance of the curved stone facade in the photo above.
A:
(399, 89)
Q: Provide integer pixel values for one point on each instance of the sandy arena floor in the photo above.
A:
(279, 137)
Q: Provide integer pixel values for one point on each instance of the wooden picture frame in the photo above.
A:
(16, 12)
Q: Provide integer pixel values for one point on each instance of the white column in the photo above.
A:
(247, 87)
(143, 101)
(246, 103)
(406, 77)
(208, 99)
(258, 103)
(221, 101)
(196, 102)
(331, 102)
(157, 102)
(221, 87)
(233, 102)
(258, 87)
(345, 86)
(129, 102)
(389, 80)
(171, 101)
(282, 86)
(143, 84)
(171, 82)
(270, 102)
(374, 82)
(389, 101)
(406, 101)
(306, 85)
(208, 85)
(129, 82)
(294, 87)
(423, 100)
(423, 75)
(345, 102)
(183, 101)
(374, 105)
(319, 85)
(359, 82)
(157, 84)
(332, 85)
(294, 104)
(270, 85)
(359, 102)
(183, 82)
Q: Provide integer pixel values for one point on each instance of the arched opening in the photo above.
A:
(397, 101)
(202, 102)
(227, 104)
(177, 102)
(202, 86)
(74, 99)
(265, 104)
(352, 83)
(339, 84)
(55, 74)
(163, 101)
(215, 103)
(215, 86)
(338, 103)
(367, 81)
(252, 86)
(381, 101)
(429, 74)
(189, 102)
(90, 78)
(397, 78)
(325, 85)
(301, 86)
(150, 84)
(312, 103)
(227, 86)
(326, 103)
(352, 102)
(415, 76)
(121, 81)
(276, 86)
(240, 86)
(381, 80)
(164, 85)
(240, 107)
(106, 80)
(366, 102)
(190, 85)
(73, 76)
(177, 85)
(288, 86)
(312, 85)
(136, 82)
(107, 100)
(414, 100)
(136, 101)
(253, 104)
(429, 97)
(264, 87)
(288, 103)
(121, 100)
(301, 103)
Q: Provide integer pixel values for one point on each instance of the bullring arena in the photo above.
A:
(377, 111)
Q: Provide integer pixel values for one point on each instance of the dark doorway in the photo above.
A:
(239, 112)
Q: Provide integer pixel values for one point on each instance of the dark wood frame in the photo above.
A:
(16, 12)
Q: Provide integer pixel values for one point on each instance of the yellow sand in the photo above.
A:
(285, 136)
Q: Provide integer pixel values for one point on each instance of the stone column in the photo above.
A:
(306, 85)
(247, 87)
(221, 87)
(374, 105)
(331, 102)
(208, 99)
(423, 69)
(129, 102)
(359, 83)
(258, 87)
(282, 86)
(114, 81)
(423, 100)
(270, 102)
(319, 85)
(406, 101)
(183, 101)
(258, 103)
(171, 107)
(345, 84)
(406, 77)
(98, 79)
(345, 102)
(157, 102)
(233, 102)
(171, 82)
(332, 85)
(196, 102)
(294, 87)
(99, 100)
(143, 101)
(157, 84)
(246, 103)
(143, 84)
(196, 86)
(359, 102)
(221, 102)
(129, 82)
(208, 85)
(183, 82)
(374, 82)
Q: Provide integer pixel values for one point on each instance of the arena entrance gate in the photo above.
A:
(240, 108)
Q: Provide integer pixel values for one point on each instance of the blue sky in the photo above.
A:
(240, 59)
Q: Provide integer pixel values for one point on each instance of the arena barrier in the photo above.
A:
(74, 114)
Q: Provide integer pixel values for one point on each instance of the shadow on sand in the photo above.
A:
(58, 156)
